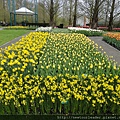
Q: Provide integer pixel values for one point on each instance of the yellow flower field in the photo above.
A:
(49, 73)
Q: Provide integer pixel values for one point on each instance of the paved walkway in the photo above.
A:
(1, 28)
(110, 51)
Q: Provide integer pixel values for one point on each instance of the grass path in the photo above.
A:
(8, 35)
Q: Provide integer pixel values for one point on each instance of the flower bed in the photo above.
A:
(57, 73)
(106, 28)
(16, 28)
(44, 29)
(116, 29)
(113, 39)
(86, 31)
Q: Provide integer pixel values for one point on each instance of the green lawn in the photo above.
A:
(8, 35)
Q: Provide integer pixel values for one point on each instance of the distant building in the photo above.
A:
(82, 21)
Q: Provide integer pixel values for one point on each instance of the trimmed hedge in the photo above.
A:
(88, 33)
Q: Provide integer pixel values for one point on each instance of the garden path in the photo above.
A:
(110, 51)
(1, 28)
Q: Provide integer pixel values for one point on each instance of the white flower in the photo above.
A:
(44, 29)
(86, 29)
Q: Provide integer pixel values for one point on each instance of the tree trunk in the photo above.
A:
(106, 14)
(70, 17)
(75, 14)
(110, 26)
(91, 15)
(51, 13)
(94, 23)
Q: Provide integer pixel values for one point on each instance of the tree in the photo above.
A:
(42, 11)
(106, 9)
(87, 7)
(70, 14)
(64, 11)
(110, 26)
(92, 9)
(57, 11)
(94, 22)
(75, 14)
(51, 12)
